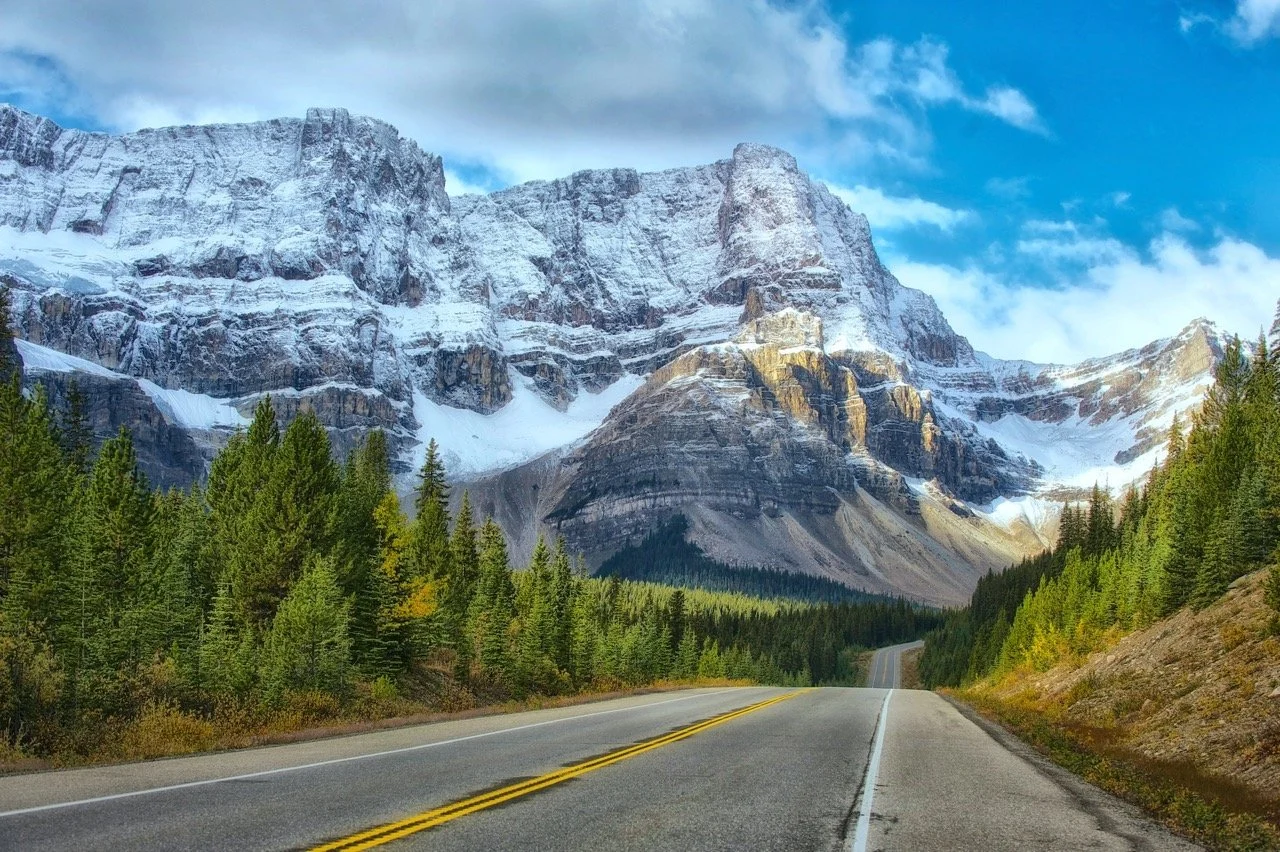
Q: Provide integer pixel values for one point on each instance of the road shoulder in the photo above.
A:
(950, 782)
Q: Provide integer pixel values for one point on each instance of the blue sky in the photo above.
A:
(1066, 179)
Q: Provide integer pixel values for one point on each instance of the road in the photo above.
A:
(709, 769)
(886, 665)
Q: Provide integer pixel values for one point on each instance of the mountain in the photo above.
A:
(595, 354)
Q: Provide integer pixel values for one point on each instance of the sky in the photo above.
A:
(1066, 179)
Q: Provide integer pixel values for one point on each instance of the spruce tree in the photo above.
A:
(493, 607)
(226, 654)
(105, 592)
(308, 647)
(560, 593)
(464, 575)
(238, 481)
(290, 517)
(36, 492)
(77, 437)
(365, 479)
(429, 553)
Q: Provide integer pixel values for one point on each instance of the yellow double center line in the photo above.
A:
(439, 816)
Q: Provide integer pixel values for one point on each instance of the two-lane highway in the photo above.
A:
(730, 769)
(886, 665)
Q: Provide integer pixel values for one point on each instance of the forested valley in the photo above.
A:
(1208, 514)
(293, 590)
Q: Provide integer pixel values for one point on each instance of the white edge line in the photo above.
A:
(863, 831)
(337, 760)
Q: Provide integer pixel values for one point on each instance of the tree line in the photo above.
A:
(666, 556)
(291, 574)
(1207, 514)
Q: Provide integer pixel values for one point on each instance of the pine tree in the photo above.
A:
(1099, 524)
(77, 437)
(1071, 529)
(308, 647)
(291, 517)
(387, 636)
(226, 655)
(35, 497)
(560, 593)
(584, 641)
(493, 607)
(686, 663)
(104, 593)
(238, 480)
(366, 478)
(535, 605)
(430, 536)
(464, 575)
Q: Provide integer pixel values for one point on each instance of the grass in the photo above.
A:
(1211, 811)
(165, 730)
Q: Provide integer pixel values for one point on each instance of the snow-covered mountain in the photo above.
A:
(718, 341)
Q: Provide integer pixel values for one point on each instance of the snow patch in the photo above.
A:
(193, 410)
(472, 444)
(1005, 512)
(36, 357)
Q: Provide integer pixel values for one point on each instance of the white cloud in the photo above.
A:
(1173, 221)
(1050, 226)
(1254, 21)
(1084, 250)
(1126, 299)
(1189, 21)
(532, 88)
(1011, 105)
(891, 212)
(455, 185)
(930, 78)
(1120, 199)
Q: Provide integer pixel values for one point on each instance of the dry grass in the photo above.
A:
(1188, 698)
(164, 730)
(910, 661)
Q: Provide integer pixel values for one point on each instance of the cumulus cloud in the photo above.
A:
(891, 212)
(1254, 21)
(1126, 299)
(534, 88)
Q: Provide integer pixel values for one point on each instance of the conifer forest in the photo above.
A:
(1206, 515)
(292, 582)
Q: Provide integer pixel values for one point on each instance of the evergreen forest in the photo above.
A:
(295, 586)
(1208, 514)
(666, 556)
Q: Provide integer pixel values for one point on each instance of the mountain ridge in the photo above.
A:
(322, 261)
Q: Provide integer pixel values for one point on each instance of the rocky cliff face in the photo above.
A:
(783, 372)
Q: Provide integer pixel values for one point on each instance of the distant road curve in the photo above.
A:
(886, 665)
(759, 768)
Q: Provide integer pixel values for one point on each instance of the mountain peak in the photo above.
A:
(756, 153)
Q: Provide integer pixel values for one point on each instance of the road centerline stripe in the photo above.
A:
(369, 756)
(863, 831)
(388, 832)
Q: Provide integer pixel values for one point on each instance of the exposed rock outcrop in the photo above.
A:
(792, 383)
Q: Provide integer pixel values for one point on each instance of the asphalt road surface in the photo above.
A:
(886, 665)
(723, 769)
